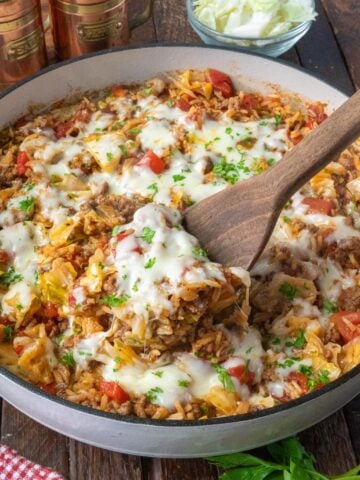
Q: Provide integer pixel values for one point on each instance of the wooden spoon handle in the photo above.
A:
(318, 149)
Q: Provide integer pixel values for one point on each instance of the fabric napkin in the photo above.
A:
(15, 467)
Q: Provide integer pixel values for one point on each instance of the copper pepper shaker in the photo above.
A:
(22, 43)
(83, 26)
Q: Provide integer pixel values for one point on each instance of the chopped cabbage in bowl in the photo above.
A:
(253, 18)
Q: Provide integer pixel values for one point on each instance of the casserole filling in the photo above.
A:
(108, 302)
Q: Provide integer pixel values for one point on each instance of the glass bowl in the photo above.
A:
(272, 46)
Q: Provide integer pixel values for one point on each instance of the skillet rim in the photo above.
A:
(129, 419)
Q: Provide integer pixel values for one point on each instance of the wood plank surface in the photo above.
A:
(331, 49)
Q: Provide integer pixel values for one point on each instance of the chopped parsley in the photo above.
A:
(228, 130)
(276, 341)
(154, 187)
(178, 178)
(158, 373)
(115, 230)
(199, 252)
(135, 287)
(10, 276)
(323, 376)
(124, 276)
(271, 162)
(123, 150)
(227, 171)
(150, 263)
(27, 205)
(224, 377)
(29, 186)
(117, 359)
(263, 123)
(148, 235)
(68, 359)
(299, 341)
(278, 119)
(114, 301)
(147, 91)
(306, 370)
(329, 307)
(287, 363)
(286, 219)
(289, 291)
(135, 131)
(170, 103)
(183, 383)
(59, 339)
(109, 156)
(152, 394)
(87, 354)
(8, 332)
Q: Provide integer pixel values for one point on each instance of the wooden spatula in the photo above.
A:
(235, 224)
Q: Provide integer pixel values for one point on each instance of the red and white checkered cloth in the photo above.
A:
(15, 467)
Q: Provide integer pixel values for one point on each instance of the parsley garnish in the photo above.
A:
(287, 219)
(323, 376)
(178, 178)
(152, 394)
(306, 370)
(135, 287)
(114, 301)
(135, 131)
(278, 119)
(287, 363)
(109, 156)
(29, 186)
(299, 341)
(227, 171)
(148, 235)
(10, 276)
(289, 291)
(224, 377)
(276, 341)
(289, 461)
(68, 359)
(123, 150)
(199, 252)
(8, 332)
(158, 373)
(228, 130)
(115, 230)
(27, 205)
(183, 383)
(154, 187)
(170, 103)
(150, 263)
(329, 307)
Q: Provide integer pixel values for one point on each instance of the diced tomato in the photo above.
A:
(82, 115)
(347, 324)
(310, 124)
(62, 129)
(155, 163)
(48, 388)
(300, 379)
(121, 236)
(114, 391)
(221, 82)
(183, 104)
(21, 163)
(318, 111)
(250, 102)
(4, 257)
(18, 349)
(319, 205)
(5, 320)
(242, 374)
(118, 91)
(297, 139)
(137, 250)
(72, 300)
(50, 310)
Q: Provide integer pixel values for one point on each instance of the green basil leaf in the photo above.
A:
(251, 473)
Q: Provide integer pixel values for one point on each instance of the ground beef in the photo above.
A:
(120, 209)
(346, 252)
(349, 300)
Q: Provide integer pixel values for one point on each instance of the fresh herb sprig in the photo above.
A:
(290, 462)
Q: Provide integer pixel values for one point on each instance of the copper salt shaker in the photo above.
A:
(83, 26)
(22, 43)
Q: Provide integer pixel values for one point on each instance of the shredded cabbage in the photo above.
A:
(253, 18)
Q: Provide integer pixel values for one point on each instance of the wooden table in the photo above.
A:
(331, 49)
